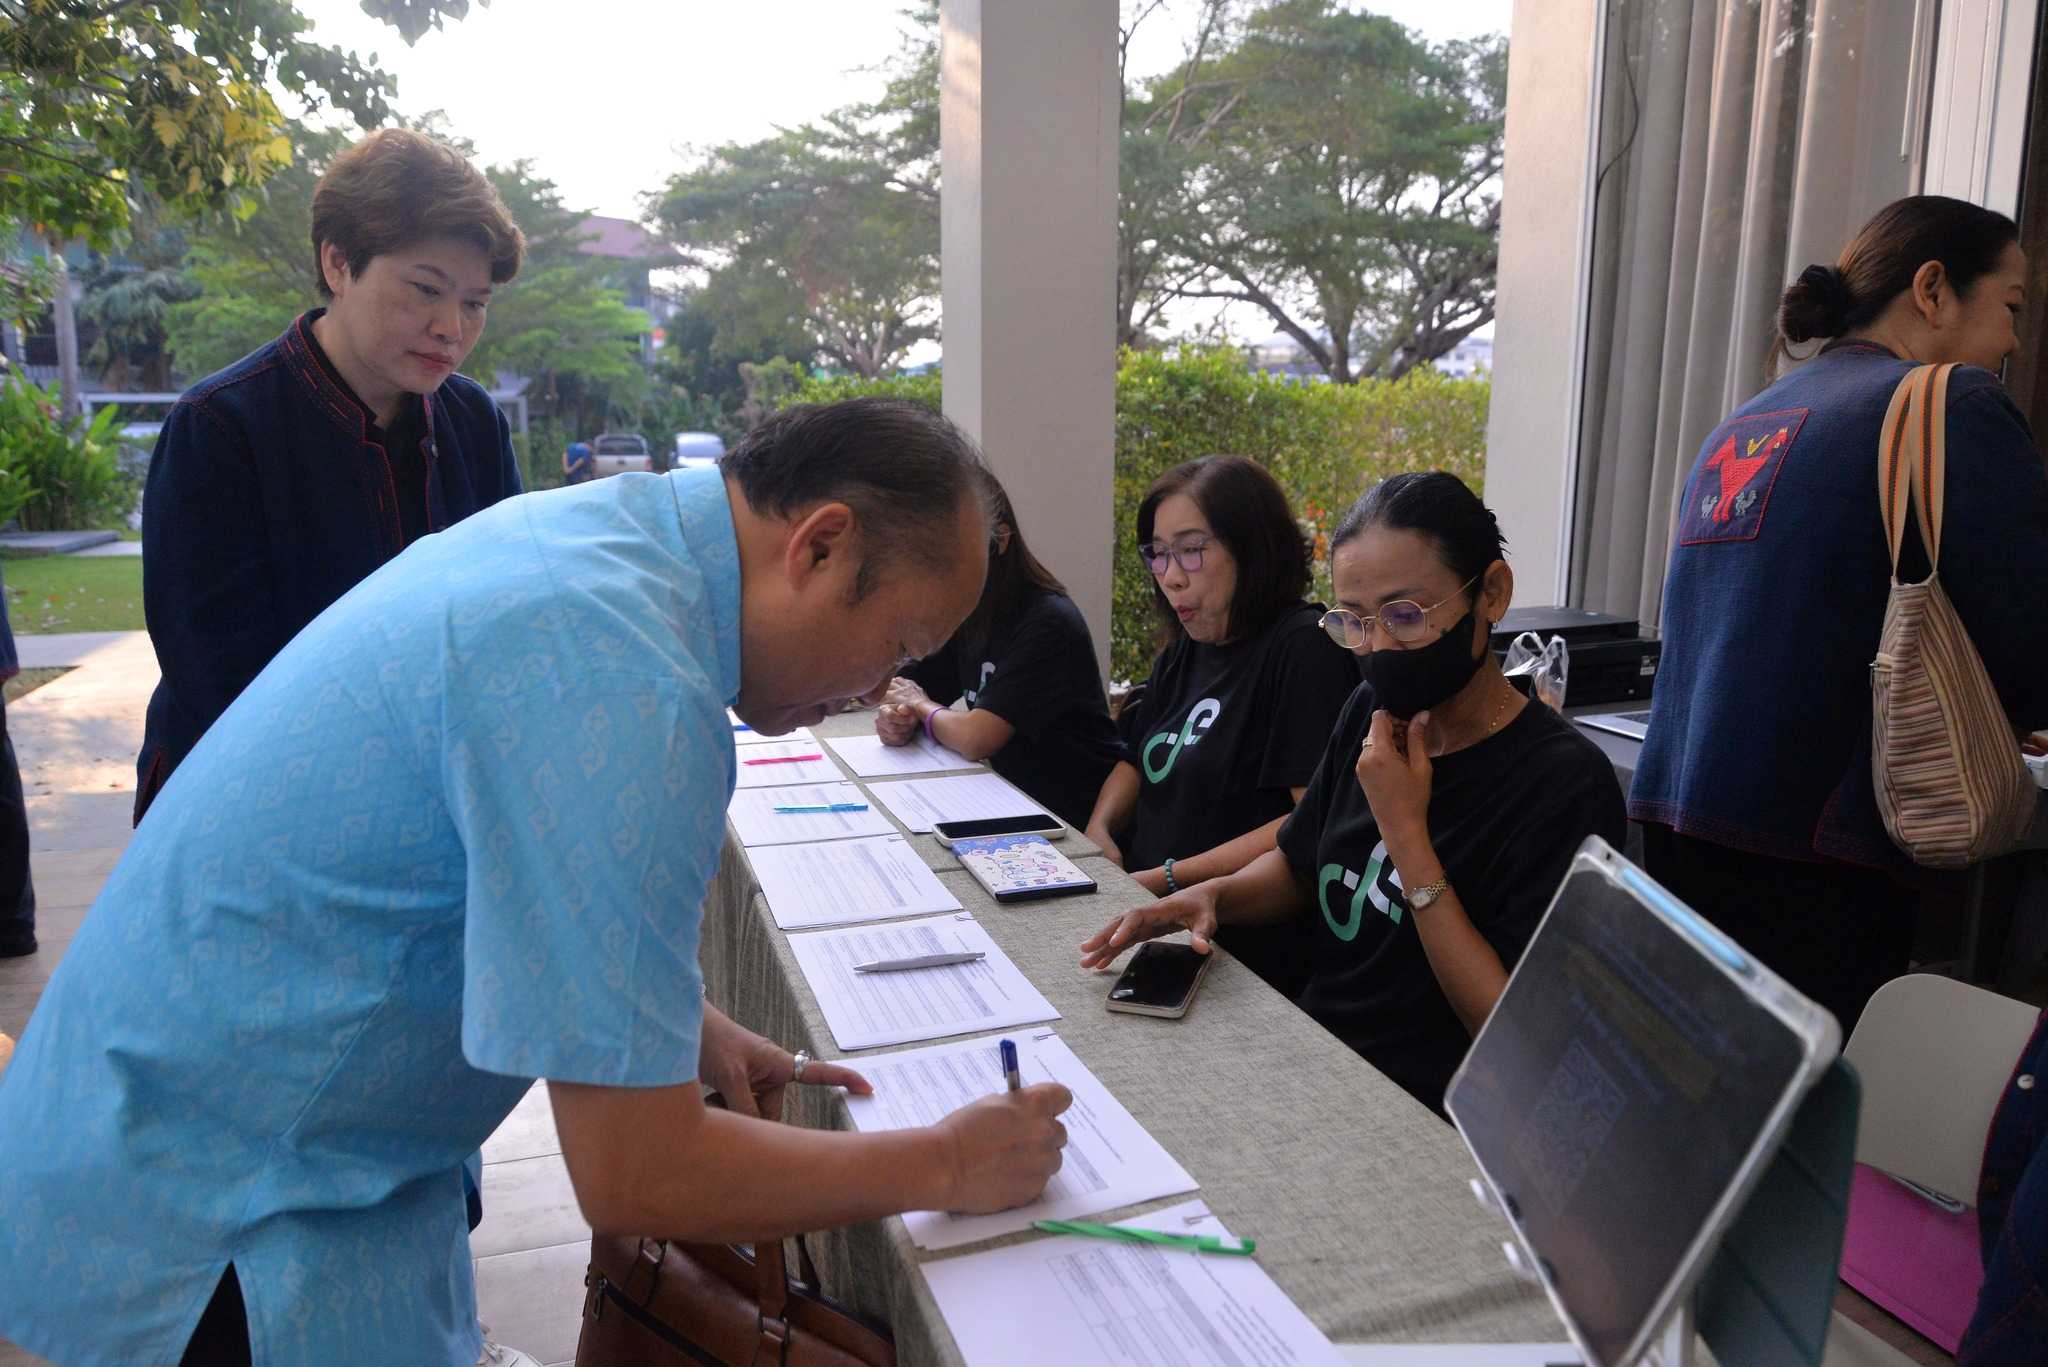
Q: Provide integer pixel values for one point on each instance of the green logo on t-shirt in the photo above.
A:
(1201, 717)
(1380, 885)
(973, 695)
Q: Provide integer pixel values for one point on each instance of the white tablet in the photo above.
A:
(1636, 1076)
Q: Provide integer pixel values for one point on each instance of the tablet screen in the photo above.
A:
(1614, 1098)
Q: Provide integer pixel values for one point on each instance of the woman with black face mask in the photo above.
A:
(1444, 813)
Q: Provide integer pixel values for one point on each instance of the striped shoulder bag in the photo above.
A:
(1950, 781)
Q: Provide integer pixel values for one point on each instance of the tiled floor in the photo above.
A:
(76, 738)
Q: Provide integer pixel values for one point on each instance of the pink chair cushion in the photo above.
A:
(1912, 1257)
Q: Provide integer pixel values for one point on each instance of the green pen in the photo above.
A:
(1193, 1243)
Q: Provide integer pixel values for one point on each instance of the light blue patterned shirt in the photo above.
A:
(456, 837)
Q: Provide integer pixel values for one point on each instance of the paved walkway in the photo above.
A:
(76, 738)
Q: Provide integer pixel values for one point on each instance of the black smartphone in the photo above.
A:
(1160, 980)
(1031, 823)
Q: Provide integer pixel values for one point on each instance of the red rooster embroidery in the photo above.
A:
(1738, 471)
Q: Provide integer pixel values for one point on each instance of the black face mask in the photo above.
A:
(1409, 681)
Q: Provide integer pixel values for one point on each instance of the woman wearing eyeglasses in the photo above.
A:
(1025, 663)
(1225, 737)
(1445, 811)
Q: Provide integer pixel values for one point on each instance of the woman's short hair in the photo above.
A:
(1246, 510)
(398, 187)
(1879, 264)
(1436, 505)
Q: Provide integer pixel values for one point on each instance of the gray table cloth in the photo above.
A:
(1357, 1195)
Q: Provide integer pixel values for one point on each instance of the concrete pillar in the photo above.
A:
(1028, 210)
(1532, 437)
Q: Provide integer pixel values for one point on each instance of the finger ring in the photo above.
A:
(798, 1062)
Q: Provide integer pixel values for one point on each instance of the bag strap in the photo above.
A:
(1912, 460)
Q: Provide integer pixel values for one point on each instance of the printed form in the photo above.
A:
(778, 763)
(1110, 1160)
(1092, 1303)
(919, 802)
(755, 819)
(872, 759)
(840, 882)
(870, 1009)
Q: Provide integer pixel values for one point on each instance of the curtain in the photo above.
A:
(1740, 141)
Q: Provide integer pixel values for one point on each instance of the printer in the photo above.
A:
(1610, 660)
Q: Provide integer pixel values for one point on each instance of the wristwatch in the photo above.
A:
(1422, 897)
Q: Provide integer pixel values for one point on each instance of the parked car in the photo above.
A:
(617, 452)
(697, 448)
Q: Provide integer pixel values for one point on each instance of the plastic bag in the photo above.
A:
(1544, 666)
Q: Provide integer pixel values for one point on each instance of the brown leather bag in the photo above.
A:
(655, 1302)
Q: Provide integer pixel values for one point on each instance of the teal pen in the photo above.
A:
(823, 807)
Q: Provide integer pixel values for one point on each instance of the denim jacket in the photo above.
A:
(1759, 734)
(267, 500)
(2010, 1328)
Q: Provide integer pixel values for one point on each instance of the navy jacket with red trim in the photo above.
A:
(1759, 734)
(267, 500)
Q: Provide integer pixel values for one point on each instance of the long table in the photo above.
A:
(1357, 1194)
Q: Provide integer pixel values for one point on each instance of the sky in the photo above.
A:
(606, 96)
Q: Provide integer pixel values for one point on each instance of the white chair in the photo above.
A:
(1934, 1055)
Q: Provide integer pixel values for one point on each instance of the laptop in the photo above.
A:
(1634, 725)
(1637, 1076)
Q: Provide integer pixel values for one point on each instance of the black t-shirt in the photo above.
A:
(1221, 736)
(1505, 815)
(1037, 672)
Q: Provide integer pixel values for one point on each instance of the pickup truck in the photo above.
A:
(617, 452)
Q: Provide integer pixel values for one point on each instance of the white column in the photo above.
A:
(1028, 204)
(1532, 432)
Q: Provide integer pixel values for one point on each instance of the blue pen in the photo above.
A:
(1011, 1076)
(741, 726)
(823, 807)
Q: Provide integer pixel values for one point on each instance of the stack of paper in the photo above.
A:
(919, 802)
(756, 821)
(870, 1009)
(779, 763)
(1084, 1302)
(743, 734)
(839, 882)
(871, 759)
(1110, 1160)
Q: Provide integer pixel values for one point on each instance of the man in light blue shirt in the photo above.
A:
(454, 838)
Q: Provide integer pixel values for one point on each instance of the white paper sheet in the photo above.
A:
(742, 734)
(870, 1009)
(841, 882)
(1466, 1354)
(790, 764)
(919, 802)
(758, 823)
(1110, 1160)
(1083, 1302)
(872, 759)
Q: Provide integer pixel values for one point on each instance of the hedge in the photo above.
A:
(1326, 444)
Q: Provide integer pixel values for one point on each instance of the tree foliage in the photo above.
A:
(127, 301)
(102, 102)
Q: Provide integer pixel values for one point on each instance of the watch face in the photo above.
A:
(1423, 897)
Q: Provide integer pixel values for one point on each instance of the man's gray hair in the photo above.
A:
(903, 469)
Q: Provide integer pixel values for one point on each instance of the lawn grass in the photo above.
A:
(51, 593)
(29, 680)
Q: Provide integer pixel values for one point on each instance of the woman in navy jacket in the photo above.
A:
(1755, 778)
(283, 481)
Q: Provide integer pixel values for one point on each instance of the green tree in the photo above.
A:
(128, 299)
(165, 97)
(1351, 191)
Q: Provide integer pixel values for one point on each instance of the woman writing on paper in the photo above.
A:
(1445, 810)
(1755, 785)
(1223, 741)
(1025, 664)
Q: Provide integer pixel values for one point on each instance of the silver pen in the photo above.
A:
(920, 961)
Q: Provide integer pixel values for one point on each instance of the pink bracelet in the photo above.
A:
(928, 734)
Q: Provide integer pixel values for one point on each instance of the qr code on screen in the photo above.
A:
(1573, 1115)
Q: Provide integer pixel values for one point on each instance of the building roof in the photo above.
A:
(621, 239)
